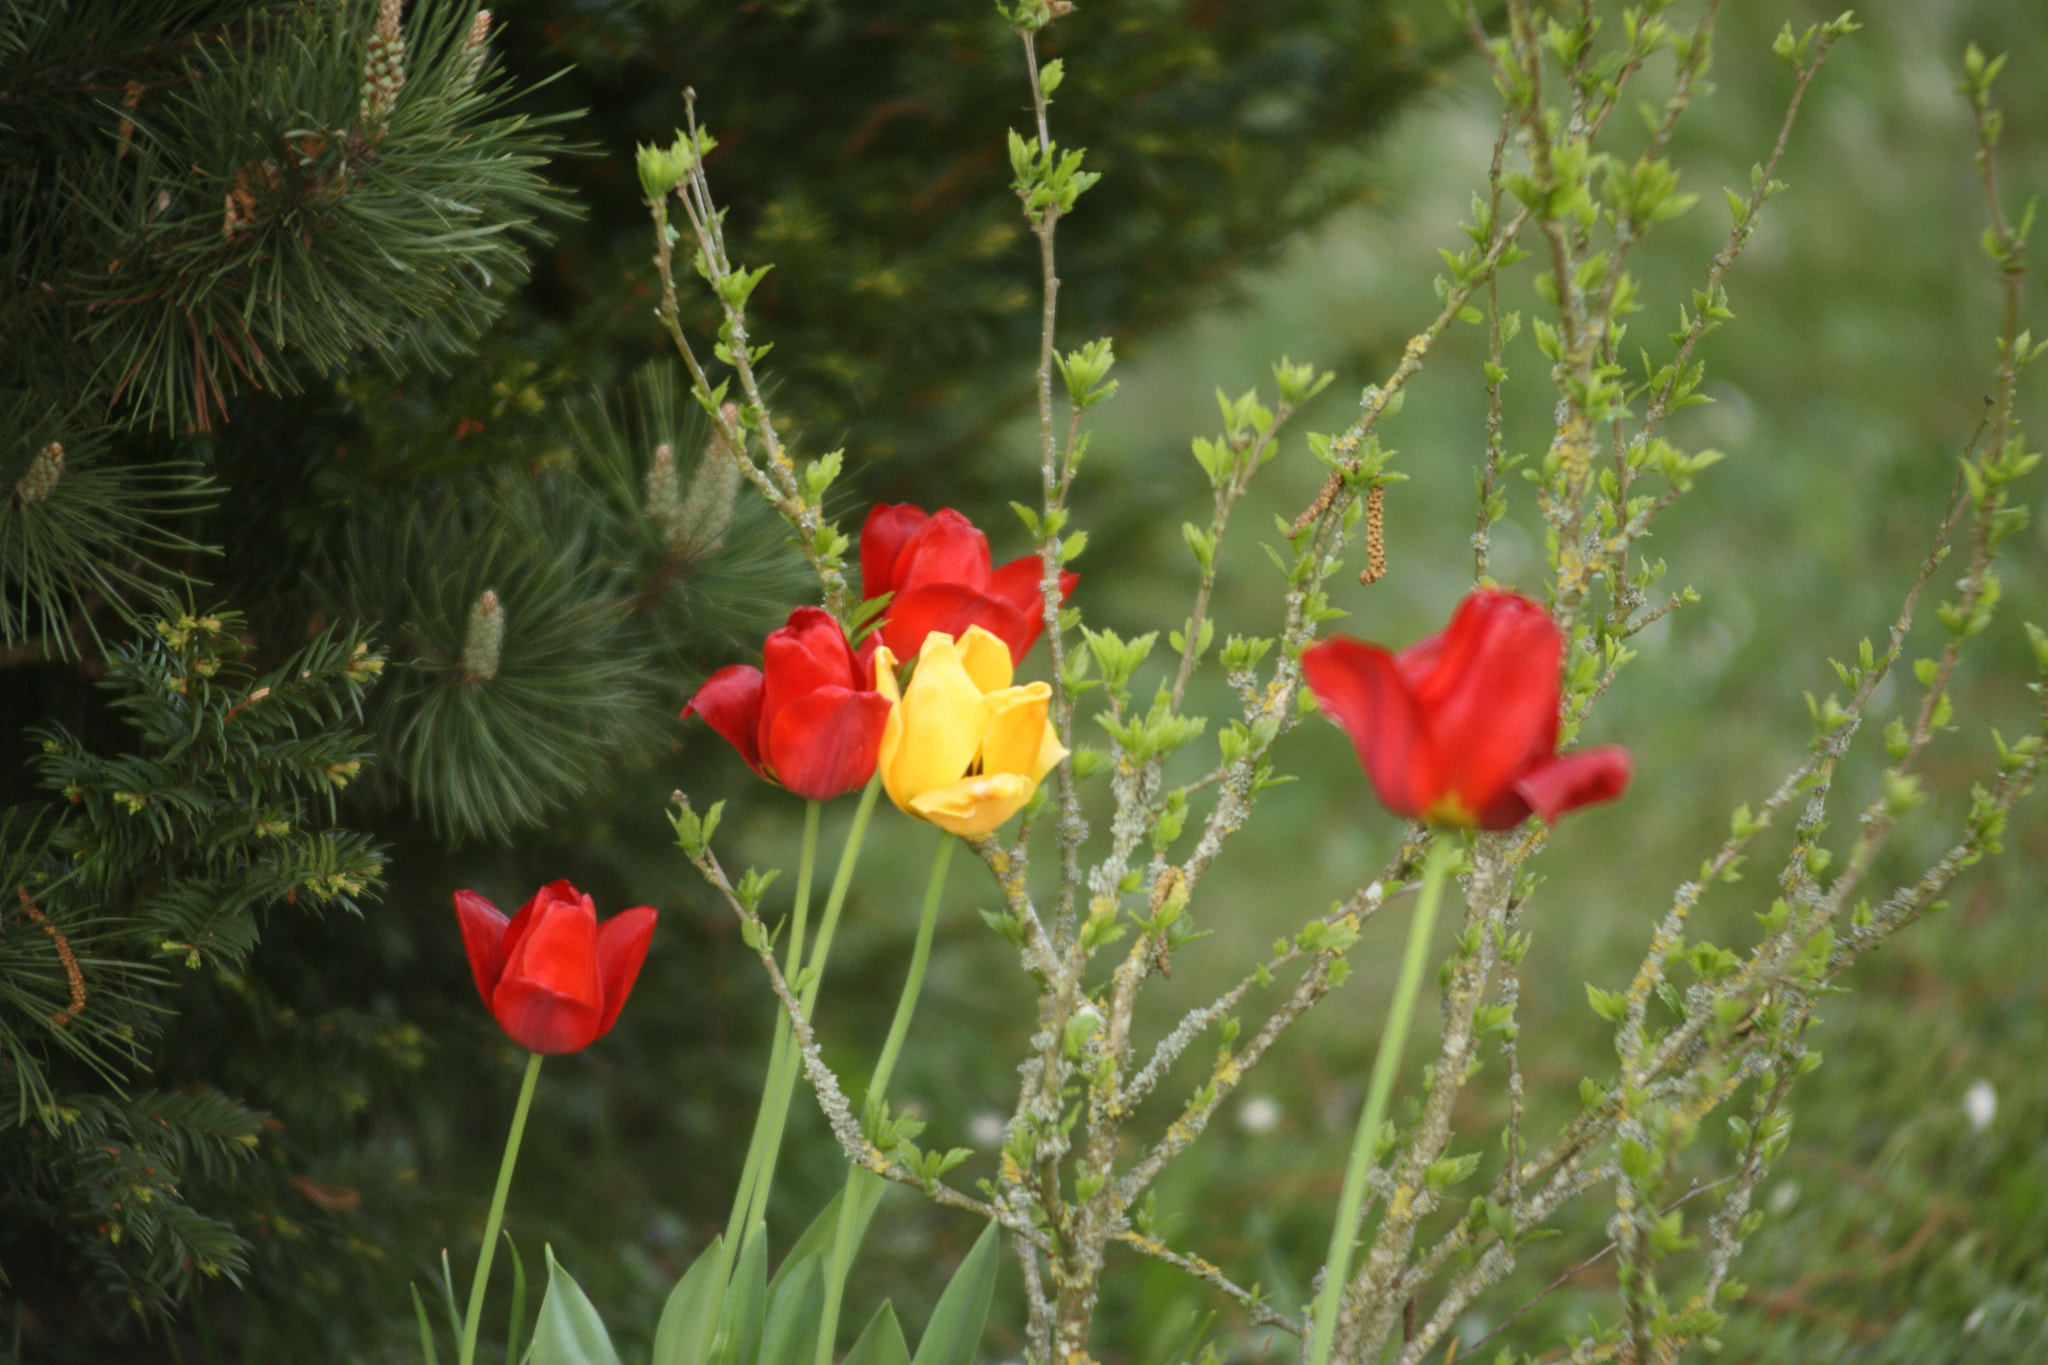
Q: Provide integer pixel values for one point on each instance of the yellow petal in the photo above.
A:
(885, 674)
(1016, 724)
(974, 806)
(942, 717)
(892, 728)
(986, 658)
(1050, 752)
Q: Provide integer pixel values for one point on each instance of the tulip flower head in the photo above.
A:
(964, 749)
(805, 718)
(937, 567)
(552, 976)
(1461, 729)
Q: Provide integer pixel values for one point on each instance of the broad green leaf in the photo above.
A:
(817, 1238)
(689, 1319)
(881, 1342)
(739, 1318)
(955, 1329)
(569, 1331)
(791, 1334)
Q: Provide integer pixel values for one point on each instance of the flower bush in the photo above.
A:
(1123, 808)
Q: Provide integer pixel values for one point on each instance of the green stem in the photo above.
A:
(473, 1318)
(784, 1064)
(1443, 855)
(906, 1005)
(920, 954)
(774, 1109)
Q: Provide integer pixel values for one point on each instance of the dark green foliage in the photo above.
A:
(207, 252)
(607, 577)
(863, 155)
(159, 863)
(76, 529)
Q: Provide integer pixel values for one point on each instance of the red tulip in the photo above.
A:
(1461, 728)
(808, 718)
(552, 975)
(937, 566)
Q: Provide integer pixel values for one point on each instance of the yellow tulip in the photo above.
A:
(962, 748)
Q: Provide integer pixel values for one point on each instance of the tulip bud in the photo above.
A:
(484, 640)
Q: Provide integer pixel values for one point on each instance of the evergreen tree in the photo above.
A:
(345, 521)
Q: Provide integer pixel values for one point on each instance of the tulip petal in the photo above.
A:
(918, 613)
(974, 805)
(1016, 729)
(986, 659)
(542, 1019)
(882, 537)
(1580, 778)
(936, 729)
(885, 663)
(1361, 688)
(1050, 752)
(1489, 698)
(948, 548)
(730, 703)
(1018, 582)
(537, 904)
(483, 938)
(864, 658)
(549, 999)
(621, 948)
(807, 654)
(825, 743)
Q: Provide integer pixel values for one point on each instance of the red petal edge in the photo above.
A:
(621, 948)
(1583, 777)
(882, 537)
(1017, 583)
(1359, 686)
(951, 608)
(730, 703)
(483, 938)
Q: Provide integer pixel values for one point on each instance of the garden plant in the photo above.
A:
(490, 641)
(1099, 800)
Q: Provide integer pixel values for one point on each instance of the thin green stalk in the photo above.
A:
(785, 1062)
(473, 1318)
(1443, 855)
(774, 1110)
(906, 1005)
(920, 954)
